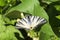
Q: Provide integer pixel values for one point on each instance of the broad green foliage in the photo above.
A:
(8, 32)
(11, 11)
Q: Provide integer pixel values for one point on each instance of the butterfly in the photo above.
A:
(30, 22)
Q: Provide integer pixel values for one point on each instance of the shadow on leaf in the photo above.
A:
(54, 22)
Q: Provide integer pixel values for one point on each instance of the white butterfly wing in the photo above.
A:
(30, 22)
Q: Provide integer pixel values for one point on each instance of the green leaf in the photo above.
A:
(13, 15)
(49, 1)
(58, 16)
(9, 34)
(46, 33)
(11, 30)
(2, 27)
(46, 29)
(8, 21)
(39, 11)
(57, 7)
(25, 6)
(2, 3)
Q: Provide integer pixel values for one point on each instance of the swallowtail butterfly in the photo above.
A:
(30, 22)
